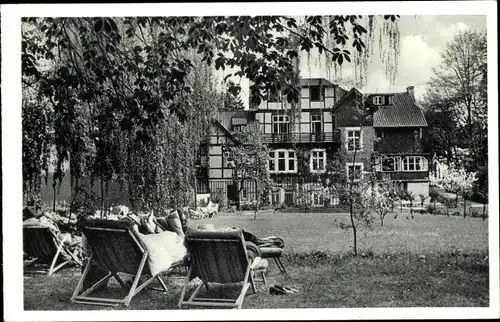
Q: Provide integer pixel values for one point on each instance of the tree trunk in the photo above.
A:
(354, 232)
(108, 207)
(465, 207)
(381, 221)
(456, 200)
(54, 199)
(102, 197)
(484, 211)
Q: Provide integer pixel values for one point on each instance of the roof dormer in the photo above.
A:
(381, 99)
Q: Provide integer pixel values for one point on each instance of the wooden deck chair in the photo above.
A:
(117, 248)
(44, 247)
(218, 257)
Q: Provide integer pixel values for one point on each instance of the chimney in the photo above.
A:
(411, 91)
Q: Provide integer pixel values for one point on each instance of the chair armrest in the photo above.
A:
(255, 262)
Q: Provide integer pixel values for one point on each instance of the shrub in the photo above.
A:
(449, 203)
(246, 206)
(430, 209)
(434, 193)
(476, 213)
(219, 198)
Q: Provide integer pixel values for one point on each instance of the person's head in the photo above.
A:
(182, 218)
(34, 211)
(38, 210)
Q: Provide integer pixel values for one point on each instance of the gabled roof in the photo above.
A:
(219, 125)
(229, 118)
(304, 82)
(353, 91)
(402, 113)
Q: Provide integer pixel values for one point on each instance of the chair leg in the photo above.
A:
(252, 281)
(184, 288)
(136, 279)
(239, 301)
(76, 255)
(280, 265)
(54, 260)
(158, 277)
(264, 278)
(195, 292)
(82, 279)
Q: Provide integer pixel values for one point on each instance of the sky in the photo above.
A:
(422, 39)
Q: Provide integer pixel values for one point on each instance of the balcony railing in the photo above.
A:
(317, 137)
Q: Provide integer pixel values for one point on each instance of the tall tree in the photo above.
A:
(458, 89)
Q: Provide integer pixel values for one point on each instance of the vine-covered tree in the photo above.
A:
(248, 157)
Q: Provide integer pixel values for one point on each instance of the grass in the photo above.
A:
(428, 261)
(319, 231)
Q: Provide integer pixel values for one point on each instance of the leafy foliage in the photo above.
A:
(457, 105)
(248, 156)
(383, 202)
(120, 93)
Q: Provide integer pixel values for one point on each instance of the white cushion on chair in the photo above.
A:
(164, 249)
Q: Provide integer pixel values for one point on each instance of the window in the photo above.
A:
(354, 141)
(355, 170)
(317, 198)
(334, 200)
(389, 100)
(378, 100)
(244, 194)
(282, 161)
(316, 123)
(281, 123)
(415, 164)
(317, 93)
(390, 164)
(291, 161)
(379, 133)
(318, 160)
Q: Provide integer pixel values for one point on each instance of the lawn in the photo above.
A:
(432, 261)
(320, 231)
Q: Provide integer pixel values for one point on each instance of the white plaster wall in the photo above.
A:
(419, 188)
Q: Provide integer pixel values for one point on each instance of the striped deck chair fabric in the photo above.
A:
(218, 257)
(117, 248)
(44, 247)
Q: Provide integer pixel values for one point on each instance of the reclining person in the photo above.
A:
(38, 218)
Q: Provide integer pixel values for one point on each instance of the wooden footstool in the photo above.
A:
(274, 253)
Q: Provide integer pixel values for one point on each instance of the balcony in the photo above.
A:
(318, 137)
